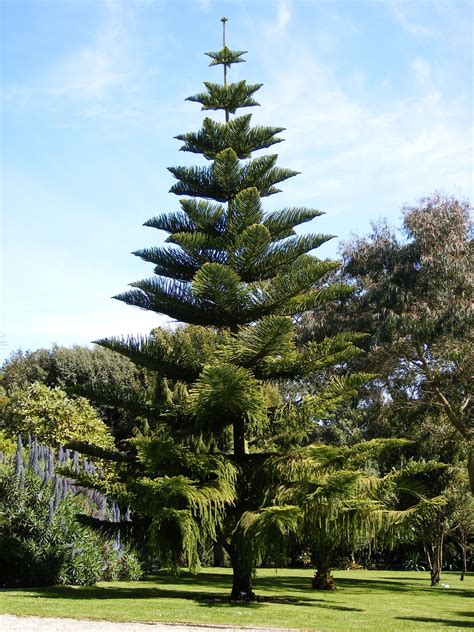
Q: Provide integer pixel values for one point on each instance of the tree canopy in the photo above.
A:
(238, 276)
(412, 295)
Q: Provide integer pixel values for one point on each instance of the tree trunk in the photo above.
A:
(470, 464)
(242, 575)
(435, 575)
(242, 586)
(435, 559)
(240, 447)
(323, 580)
(464, 564)
(321, 559)
(463, 544)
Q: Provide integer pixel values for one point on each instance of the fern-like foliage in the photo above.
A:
(239, 277)
(339, 499)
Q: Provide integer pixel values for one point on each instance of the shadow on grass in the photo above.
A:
(449, 623)
(425, 579)
(386, 585)
(317, 603)
(210, 598)
(213, 598)
(381, 584)
(277, 582)
(210, 589)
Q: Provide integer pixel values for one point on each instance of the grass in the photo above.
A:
(365, 600)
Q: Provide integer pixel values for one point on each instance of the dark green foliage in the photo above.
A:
(41, 542)
(229, 98)
(214, 137)
(180, 354)
(177, 498)
(36, 550)
(412, 294)
(65, 367)
(238, 277)
(77, 370)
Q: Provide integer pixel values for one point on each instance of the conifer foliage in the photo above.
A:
(244, 275)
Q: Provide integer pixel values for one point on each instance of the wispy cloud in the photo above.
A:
(204, 5)
(406, 15)
(368, 153)
(89, 74)
(421, 69)
(281, 20)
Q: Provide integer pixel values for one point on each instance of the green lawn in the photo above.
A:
(365, 600)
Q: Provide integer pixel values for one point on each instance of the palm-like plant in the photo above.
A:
(333, 496)
(240, 276)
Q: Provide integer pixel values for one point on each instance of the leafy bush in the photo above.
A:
(96, 373)
(41, 542)
(53, 417)
(7, 445)
(121, 566)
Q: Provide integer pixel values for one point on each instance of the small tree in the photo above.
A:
(457, 517)
(340, 498)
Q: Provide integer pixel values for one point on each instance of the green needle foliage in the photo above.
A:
(333, 497)
(178, 498)
(238, 277)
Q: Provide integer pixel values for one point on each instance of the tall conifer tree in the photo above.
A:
(245, 275)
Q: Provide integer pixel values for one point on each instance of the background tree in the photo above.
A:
(460, 512)
(412, 294)
(78, 370)
(340, 498)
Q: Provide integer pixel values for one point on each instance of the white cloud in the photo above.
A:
(88, 74)
(404, 13)
(422, 69)
(204, 5)
(375, 155)
(282, 18)
(96, 69)
(283, 14)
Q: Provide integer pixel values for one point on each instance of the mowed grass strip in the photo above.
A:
(365, 600)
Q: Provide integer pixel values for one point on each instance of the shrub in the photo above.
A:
(53, 417)
(41, 542)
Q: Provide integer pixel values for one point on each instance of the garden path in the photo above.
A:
(9, 623)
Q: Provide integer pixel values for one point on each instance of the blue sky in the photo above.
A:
(375, 96)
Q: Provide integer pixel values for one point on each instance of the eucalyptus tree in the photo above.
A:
(419, 292)
(243, 275)
(412, 294)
